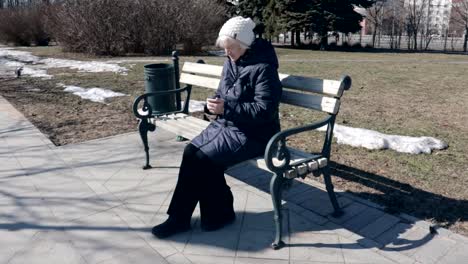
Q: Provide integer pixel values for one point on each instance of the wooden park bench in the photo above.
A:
(286, 163)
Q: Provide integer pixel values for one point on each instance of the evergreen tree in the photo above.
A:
(253, 9)
(335, 15)
(272, 15)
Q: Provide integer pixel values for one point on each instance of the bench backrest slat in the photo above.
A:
(205, 75)
(311, 101)
(205, 69)
(201, 81)
(308, 84)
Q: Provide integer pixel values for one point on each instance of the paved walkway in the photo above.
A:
(92, 203)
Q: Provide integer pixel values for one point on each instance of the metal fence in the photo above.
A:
(436, 43)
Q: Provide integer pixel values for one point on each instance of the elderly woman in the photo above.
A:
(246, 105)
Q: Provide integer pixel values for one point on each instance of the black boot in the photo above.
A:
(170, 227)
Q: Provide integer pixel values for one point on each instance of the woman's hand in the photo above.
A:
(215, 105)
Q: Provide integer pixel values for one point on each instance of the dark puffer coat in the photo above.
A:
(252, 91)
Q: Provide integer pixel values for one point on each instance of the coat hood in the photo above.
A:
(261, 51)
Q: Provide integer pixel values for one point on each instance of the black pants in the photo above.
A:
(200, 180)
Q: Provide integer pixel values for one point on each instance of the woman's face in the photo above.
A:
(234, 51)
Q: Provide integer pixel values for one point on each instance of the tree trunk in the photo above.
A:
(374, 35)
(465, 39)
(298, 37)
(323, 42)
(292, 38)
(445, 40)
(415, 36)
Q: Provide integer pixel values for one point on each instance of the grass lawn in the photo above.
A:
(396, 93)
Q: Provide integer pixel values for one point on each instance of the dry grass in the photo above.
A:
(395, 93)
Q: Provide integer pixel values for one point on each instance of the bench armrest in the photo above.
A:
(147, 107)
(276, 147)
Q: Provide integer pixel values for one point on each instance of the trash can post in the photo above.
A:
(160, 77)
(175, 61)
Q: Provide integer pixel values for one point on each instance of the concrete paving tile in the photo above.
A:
(315, 218)
(310, 193)
(434, 250)
(13, 241)
(321, 204)
(178, 258)
(313, 262)
(48, 247)
(207, 259)
(353, 252)
(240, 200)
(102, 236)
(123, 182)
(379, 226)
(364, 218)
(259, 261)
(163, 247)
(256, 201)
(11, 168)
(137, 216)
(19, 185)
(70, 208)
(349, 211)
(459, 238)
(299, 223)
(393, 233)
(262, 219)
(331, 227)
(312, 246)
(25, 212)
(243, 172)
(64, 188)
(233, 182)
(257, 244)
(296, 188)
(142, 255)
(397, 257)
(149, 192)
(456, 255)
(419, 244)
(217, 243)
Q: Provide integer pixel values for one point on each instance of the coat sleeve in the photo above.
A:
(264, 107)
(218, 91)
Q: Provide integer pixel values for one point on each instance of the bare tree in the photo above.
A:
(375, 16)
(460, 17)
(416, 15)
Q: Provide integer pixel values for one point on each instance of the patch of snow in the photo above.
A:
(15, 59)
(94, 94)
(23, 56)
(38, 73)
(84, 66)
(359, 137)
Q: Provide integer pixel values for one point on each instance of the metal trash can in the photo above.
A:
(160, 77)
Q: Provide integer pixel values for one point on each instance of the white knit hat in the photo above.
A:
(239, 28)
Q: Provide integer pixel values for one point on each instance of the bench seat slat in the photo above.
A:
(204, 69)
(309, 84)
(201, 81)
(321, 103)
(183, 125)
